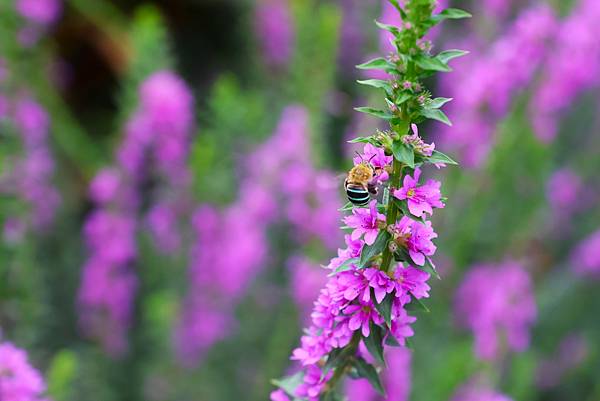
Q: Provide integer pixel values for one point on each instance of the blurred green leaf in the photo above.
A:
(368, 371)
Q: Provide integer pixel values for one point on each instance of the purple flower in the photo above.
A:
(417, 142)
(410, 280)
(361, 316)
(379, 282)
(275, 31)
(496, 302)
(41, 12)
(377, 158)
(563, 190)
(478, 392)
(313, 384)
(420, 199)
(365, 222)
(279, 395)
(416, 237)
(352, 251)
(19, 381)
(586, 256)
(105, 186)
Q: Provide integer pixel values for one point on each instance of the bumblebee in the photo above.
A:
(358, 184)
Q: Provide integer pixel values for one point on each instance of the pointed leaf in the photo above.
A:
(375, 112)
(368, 371)
(403, 153)
(390, 28)
(415, 305)
(347, 265)
(289, 383)
(437, 102)
(377, 64)
(403, 97)
(431, 63)
(448, 55)
(369, 251)
(374, 343)
(439, 157)
(361, 139)
(436, 114)
(391, 341)
(451, 13)
(376, 83)
(385, 308)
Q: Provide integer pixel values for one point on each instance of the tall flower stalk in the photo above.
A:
(383, 274)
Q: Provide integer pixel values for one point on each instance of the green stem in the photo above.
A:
(392, 212)
(340, 371)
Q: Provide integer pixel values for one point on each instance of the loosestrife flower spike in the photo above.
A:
(387, 260)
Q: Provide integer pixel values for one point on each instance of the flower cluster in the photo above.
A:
(586, 256)
(19, 381)
(383, 272)
(219, 277)
(478, 392)
(494, 77)
(497, 302)
(30, 178)
(275, 31)
(160, 130)
(572, 69)
(39, 15)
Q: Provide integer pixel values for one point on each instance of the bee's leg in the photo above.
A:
(372, 188)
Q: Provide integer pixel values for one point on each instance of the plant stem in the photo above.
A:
(392, 212)
(340, 371)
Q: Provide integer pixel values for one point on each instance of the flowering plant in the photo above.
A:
(383, 274)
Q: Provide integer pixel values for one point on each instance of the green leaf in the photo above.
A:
(333, 396)
(436, 114)
(375, 112)
(362, 139)
(403, 97)
(431, 63)
(374, 343)
(385, 308)
(377, 64)
(439, 157)
(448, 55)
(390, 28)
(289, 383)
(437, 102)
(368, 371)
(391, 341)
(403, 153)
(348, 206)
(369, 251)
(415, 305)
(347, 265)
(376, 83)
(61, 374)
(451, 13)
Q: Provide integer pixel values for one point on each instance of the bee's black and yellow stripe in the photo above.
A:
(357, 195)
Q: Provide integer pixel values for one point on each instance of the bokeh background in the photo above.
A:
(169, 189)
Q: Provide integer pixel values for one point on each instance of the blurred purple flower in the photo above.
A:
(105, 186)
(41, 12)
(563, 190)
(494, 77)
(275, 31)
(306, 282)
(585, 258)
(573, 67)
(497, 302)
(19, 380)
(476, 392)
(571, 353)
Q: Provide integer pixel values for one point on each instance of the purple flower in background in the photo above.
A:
(105, 186)
(494, 75)
(570, 354)
(365, 222)
(476, 392)
(275, 31)
(279, 395)
(585, 258)
(572, 68)
(306, 282)
(420, 199)
(563, 190)
(41, 12)
(496, 302)
(416, 237)
(19, 381)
